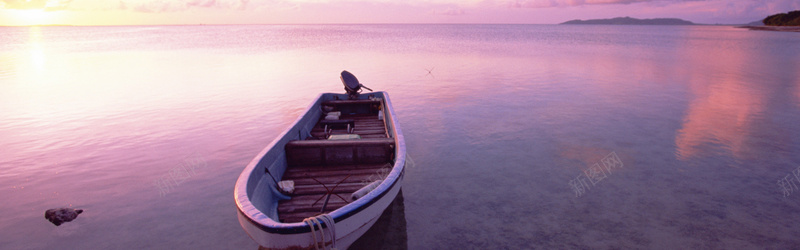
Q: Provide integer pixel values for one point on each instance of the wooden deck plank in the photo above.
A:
(314, 204)
(366, 130)
(308, 191)
(327, 175)
(357, 126)
(309, 199)
(355, 131)
(350, 178)
(351, 102)
(320, 189)
(365, 125)
(361, 133)
(372, 136)
(299, 172)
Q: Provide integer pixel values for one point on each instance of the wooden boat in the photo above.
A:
(326, 179)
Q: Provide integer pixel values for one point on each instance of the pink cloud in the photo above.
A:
(565, 3)
(202, 3)
(450, 12)
(158, 6)
(48, 5)
(762, 6)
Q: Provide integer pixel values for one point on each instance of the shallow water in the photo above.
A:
(147, 129)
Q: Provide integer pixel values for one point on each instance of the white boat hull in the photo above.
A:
(348, 231)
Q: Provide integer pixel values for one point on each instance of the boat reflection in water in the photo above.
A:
(389, 232)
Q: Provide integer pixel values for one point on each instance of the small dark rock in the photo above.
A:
(60, 215)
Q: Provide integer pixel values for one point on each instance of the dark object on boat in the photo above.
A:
(60, 215)
(351, 84)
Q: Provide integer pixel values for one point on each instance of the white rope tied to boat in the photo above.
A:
(317, 221)
(311, 221)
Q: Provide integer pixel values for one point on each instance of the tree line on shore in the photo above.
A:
(783, 19)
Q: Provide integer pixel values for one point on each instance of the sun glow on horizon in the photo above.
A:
(29, 17)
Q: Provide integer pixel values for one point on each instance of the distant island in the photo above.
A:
(779, 22)
(632, 21)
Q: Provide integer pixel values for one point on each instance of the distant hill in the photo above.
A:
(784, 19)
(632, 21)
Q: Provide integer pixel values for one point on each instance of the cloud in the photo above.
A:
(154, 6)
(48, 5)
(450, 12)
(753, 10)
(24, 5)
(157, 6)
(54, 5)
(762, 6)
(566, 3)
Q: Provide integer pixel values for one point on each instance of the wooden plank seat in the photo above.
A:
(364, 133)
(350, 102)
(364, 125)
(339, 152)
(329, 125)
(354, 106)
(338, 123)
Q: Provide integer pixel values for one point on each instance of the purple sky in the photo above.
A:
(111, 12)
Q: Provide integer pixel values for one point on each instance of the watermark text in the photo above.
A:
(177, 175)
(594, 174)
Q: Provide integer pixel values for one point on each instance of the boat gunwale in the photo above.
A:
(267, 224)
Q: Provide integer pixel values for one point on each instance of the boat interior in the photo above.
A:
(348, 152)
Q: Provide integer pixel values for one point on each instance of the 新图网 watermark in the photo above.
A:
(381, 174)
(595, 174)
(179, 174)
(787, 184)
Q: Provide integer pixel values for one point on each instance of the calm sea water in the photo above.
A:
(693, 130)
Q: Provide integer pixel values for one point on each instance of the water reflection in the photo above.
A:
(389, 232)
(38, 58)
(737, 98)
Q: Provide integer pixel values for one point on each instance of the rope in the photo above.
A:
(331, 228)
(310, 222)
(314, 222)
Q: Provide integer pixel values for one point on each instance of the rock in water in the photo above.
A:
(60, 215)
